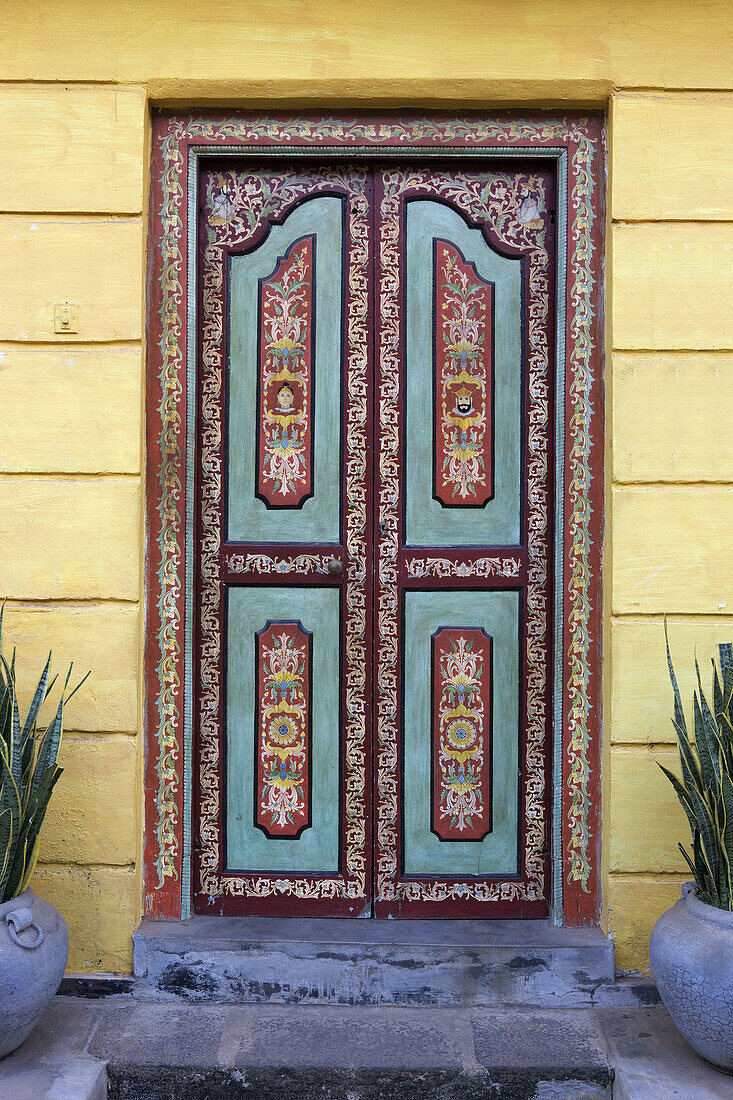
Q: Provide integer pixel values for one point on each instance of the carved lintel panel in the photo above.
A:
(285, 379)
(283, 730)
(464, 474)
(461, 748)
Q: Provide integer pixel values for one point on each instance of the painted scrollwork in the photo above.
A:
(238, 206)
(495, 200)
(463, 369)
(479, 567)
(264, 563)
(461, 747)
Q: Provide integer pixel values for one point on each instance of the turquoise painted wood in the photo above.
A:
(498, 614)
(428, 522)
(317, 520)
(249, 609)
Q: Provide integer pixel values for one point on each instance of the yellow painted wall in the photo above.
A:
(75, 94)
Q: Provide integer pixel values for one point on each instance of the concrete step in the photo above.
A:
(270, 1052)
(253, 960)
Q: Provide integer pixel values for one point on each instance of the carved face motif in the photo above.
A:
(285, 397)
(464, 403)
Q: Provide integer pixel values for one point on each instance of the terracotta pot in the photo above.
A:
(34, 947)
(691, 953)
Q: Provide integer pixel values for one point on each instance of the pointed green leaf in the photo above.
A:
(38, 696)
(682, 795)
(679, 714)
(702, 745)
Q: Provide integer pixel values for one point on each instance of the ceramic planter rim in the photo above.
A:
(701, 909)
(20, 901)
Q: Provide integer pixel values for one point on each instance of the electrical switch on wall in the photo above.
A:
(66, 317)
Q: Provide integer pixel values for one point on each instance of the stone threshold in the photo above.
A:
(257, 960)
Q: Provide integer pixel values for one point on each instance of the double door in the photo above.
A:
(374, 519)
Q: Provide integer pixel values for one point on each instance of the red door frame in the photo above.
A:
(576, 142)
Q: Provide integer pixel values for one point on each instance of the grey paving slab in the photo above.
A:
(363, 1038)
(653, 1062)
(159, 1035)
(53, 1063)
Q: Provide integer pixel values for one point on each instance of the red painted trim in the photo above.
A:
(462, 740)
(463, 344)
(285, 396)
(582, 899)
(283, 721)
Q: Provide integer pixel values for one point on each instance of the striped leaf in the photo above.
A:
(29, 772)
(705, 790)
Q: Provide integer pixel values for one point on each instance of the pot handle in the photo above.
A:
(19, 921)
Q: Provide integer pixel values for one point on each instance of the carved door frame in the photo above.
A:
(575, 145)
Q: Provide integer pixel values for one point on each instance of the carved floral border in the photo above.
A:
(581, 138)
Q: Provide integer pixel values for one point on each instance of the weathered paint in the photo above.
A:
(75, 156)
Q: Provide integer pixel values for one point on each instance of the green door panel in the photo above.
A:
(317, 520)
(248, 611)
(498, 614)
(496, 523)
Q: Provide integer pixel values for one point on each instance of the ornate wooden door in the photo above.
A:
(373, 576)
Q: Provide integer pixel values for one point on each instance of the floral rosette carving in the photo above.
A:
(285, 459)
(461, 780)
(463, 307)
(283, 765)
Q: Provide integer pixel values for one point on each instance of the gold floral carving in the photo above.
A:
(493, 200)
(264, 563)
(251, 199)
(480, 567)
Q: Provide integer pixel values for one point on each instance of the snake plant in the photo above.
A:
(706, 788)
(29, 771)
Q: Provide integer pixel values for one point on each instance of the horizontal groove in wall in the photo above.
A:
(73, 475)
(78, 346)
(702, 483)
(676, 483)
(632, 90)
(647, 747)
(81, 217)
(40, 602)
(697, 486)
(123, 868)
(73, 346)
(142, 85)
(712, 222)
(674, 616)
(672, 351)
(693, 353)
(75, 215)
(100, 735)
(653, 876)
